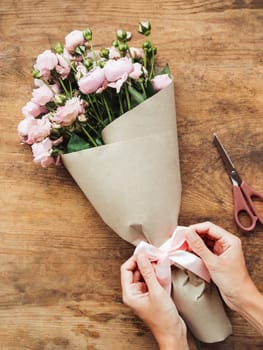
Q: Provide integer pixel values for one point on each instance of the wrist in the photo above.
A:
(251, 309)
(247, 295)
(167, 344)
(173, 344)
(175, 341)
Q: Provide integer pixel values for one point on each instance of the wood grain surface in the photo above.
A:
(59, 263)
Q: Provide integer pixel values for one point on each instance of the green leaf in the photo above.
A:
(198, 344)
(76, 143)
(149, 89)
(166, 70)
(136, 95)
(99, 141)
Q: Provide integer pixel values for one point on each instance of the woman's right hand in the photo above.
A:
(225, 261)
(226, 264)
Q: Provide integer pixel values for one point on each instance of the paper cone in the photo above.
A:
(200, 306)
(134, 184)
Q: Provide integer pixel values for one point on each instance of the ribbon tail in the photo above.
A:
(192, 263)
(162, 264)
(163, 274)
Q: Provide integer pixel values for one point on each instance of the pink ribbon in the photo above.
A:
(173, 251)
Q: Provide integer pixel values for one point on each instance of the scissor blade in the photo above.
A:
(230, 168)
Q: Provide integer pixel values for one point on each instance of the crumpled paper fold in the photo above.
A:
(133, 182)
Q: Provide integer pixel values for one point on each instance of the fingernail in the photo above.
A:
(141, 260)
(191, 236)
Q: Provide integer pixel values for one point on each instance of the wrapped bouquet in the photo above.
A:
(113, 109)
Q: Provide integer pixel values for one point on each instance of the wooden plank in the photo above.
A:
(59, 263)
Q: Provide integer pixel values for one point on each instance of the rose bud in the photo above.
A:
(145, 28)
(122, 35)
(58, 48)
(87, 33)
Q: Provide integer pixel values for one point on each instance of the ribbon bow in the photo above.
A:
(173, 251)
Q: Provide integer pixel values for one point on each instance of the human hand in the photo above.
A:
(225, 261)
(143, 293)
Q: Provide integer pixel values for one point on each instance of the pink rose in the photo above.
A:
(68, 113)
(67, 56)
(118, 84)
(74, 39)
(63, 67)
(45, 62)
(114, 53)
(44, 94)
(94, 55)
(38, 129)
(24, 126)
(38, 82)
(81, 71)
(32, 109)
(42, 152)
(138, 70)
(92, 81)
(34, 130)
(114, 69)
(161, 81)
(137, 52)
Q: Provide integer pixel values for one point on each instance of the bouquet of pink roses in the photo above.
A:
(112, 109)
(80, 90)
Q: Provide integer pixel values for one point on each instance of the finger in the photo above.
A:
(127, 271)
(212, 230)
(147, 272)
(198, 246)
(136, 276)
(140, 287)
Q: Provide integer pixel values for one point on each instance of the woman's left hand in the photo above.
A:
(143, 293)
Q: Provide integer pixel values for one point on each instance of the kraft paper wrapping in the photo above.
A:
(133, 182)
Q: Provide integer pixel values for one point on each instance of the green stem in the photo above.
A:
(95, 111)
(83, 56)
(69, 63)
(50, 109)
(107, 108)
(143, 91)
(94, 53)
(67, 132)
(121, 106)
(70, 89)
(127, 97)
(152, 67)
(145, 59)
(89, 137)
(50, 88)
(132, 59)
(198, 344)
(94, 130)
(97, 105)
(64, 87)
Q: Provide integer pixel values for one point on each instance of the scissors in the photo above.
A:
(244, 196)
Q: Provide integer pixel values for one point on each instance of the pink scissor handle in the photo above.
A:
(240, 205)
(250, 193)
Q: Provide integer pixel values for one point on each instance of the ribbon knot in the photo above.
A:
(173, 251)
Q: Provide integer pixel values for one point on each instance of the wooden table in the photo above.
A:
(59, 263)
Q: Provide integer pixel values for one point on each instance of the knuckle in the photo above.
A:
(157, 293)
(213, 266)
(198, 244)
(122, 268)
(208, 223)
(147, 274)
(238, 241)
(125, 300)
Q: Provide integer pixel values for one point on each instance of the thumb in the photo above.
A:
(198, 246)
(147, 272)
